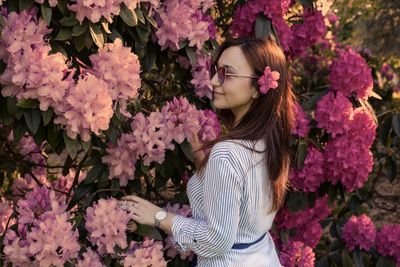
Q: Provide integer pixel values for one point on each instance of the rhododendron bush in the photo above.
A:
(100, 99)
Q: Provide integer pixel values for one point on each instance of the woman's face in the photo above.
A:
(236, 93)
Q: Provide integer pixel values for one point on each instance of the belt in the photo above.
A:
(235, 246)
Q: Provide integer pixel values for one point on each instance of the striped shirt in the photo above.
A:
(230, 204)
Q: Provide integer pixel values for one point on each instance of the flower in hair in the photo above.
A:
(268, 80)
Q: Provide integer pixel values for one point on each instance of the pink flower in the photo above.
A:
(201, 76)
(245, 17)
(88, 108)
(388, 241)
(334, 112)
(297, 254)
(359, 232)
(6, 211)
(210, 125)
(350, 74)
(16, 250)
(268, 80)
(124, 83)
(106, 224)
(94, 10)
(174, 28)
(52, 241)
(120, 159)
(149, 253)
(302, 124)
(312, 175)
(90, 258)
(309, 32)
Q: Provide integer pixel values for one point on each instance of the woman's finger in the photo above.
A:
(131, 198)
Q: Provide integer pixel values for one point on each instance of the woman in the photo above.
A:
(240, 184)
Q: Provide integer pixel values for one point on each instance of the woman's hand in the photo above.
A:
(142, 211)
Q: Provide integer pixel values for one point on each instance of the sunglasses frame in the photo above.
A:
(214, 69)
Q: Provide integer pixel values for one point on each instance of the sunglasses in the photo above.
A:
(222, 73)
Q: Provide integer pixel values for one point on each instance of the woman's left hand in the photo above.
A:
(142, 211)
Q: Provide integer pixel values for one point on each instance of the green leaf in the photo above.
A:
(187, 150)
(33, 119)
(94, 173)
(80, 192)
(62, 6)
(129, 17)
(64, 34)
(25, 4)
(310, 103)
(385, 262)
(47, 116)
(28, 103)
(47, 12)
(12, 105)
(296, 201)
(85, 145)
(69, 21)
(191, 53)
(306, 3)
(140, 15)
(79, 41)
(263, 26)
(97, 35)
(54, 136)
(385, 129)
(396, 123)
(79, 29)
(72, 145)
(146, 230)
(149, 59)
(358, 258)
(19, 130)
(152, 21)
(301, 154)
(346, 259)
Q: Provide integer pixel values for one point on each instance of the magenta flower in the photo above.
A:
(388, 241)
(302, 124)
(359, 232)
(297, 254)
(107, 224)
(268, 80)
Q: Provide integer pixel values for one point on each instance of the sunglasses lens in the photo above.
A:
(221, 75)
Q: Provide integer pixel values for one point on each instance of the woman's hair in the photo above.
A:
(270, 116)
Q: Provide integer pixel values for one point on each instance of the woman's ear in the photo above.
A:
(256, 94)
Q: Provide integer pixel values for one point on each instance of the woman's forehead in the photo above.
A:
(233, 57)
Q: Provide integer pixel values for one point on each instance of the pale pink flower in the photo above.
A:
(269, 80)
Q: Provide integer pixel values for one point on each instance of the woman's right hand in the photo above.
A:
(195, 145)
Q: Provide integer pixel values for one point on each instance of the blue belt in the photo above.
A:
(235, 246)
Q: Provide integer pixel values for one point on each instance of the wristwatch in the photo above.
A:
(158, 217)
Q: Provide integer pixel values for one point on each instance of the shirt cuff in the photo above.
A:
(183, 230)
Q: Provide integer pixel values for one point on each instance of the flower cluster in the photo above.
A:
(107, 224)
(333, 113)
(52, 3)
(306, 222)
(351, 74)
(175, 28)
(119, 68)
(348, 156)
(312, 175)
(44, 236)
(88, 108)
(210, 125)
(388, 241)
(309, 32)
(151, 136)
(269, 80)
(201, 76)
(297, 254)
(31, 72)
(93, 10)
(359, 232)
(148, 253)
(245, 17)
(302, 123)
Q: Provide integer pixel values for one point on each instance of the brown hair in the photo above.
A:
(270, 116)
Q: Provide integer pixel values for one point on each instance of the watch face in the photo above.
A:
(161, 215)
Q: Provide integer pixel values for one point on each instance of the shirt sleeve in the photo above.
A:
(222, 199)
